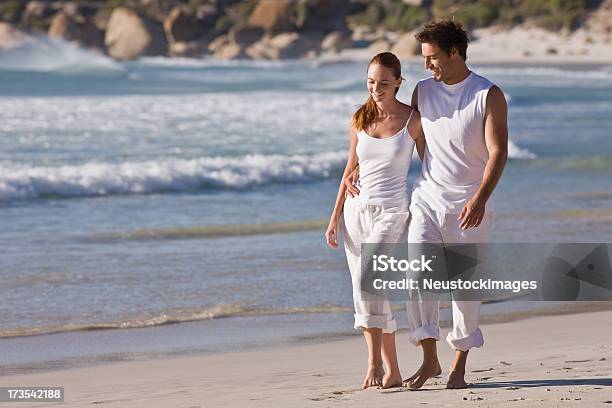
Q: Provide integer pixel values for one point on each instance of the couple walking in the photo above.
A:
(458, 123)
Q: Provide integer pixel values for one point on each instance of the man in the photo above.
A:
(464, 117)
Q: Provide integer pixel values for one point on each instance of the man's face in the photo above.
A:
(437, 61)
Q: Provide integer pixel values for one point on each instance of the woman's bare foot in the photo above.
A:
(456, 380)
(374, 376)
(392, 379)
(424, 373)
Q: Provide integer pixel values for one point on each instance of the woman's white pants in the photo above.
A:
(367, 223)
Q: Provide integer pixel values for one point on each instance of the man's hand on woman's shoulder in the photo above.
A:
(351, 182)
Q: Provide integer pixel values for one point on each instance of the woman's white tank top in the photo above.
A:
(383, 168)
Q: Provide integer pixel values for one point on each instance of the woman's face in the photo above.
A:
(382, 83)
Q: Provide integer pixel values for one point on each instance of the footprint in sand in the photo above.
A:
(482, 370)
(334, 395)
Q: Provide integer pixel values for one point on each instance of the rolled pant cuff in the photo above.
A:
(378, 322)
(424, 332)
(464, 344)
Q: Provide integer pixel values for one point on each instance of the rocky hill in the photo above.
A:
(277, 29)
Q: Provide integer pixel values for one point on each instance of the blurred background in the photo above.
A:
(279, 29)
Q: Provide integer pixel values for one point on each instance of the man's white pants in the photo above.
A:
(433, 227)
(366, 223)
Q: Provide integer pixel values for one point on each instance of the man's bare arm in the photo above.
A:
(496, 139)
(351, 182)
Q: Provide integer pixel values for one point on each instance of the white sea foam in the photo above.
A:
(211, 63)
(99, 179)
(48, 54)
(515, 152)
(548, 72)
(335, 85)
(173, 175)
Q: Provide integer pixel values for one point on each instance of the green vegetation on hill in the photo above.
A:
(549, 14)
(395, 15)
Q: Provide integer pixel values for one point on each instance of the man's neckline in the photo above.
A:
(458, 84)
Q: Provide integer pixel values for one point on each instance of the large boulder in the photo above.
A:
(261, 50)
(406, 46)
(273, 15)
(69, 28)
(129, 35)
(294, 45)
(223, 47)
(379, 46)
(10, 37)
(181, 26)
(217, 43)
(228, 51)
(285, 46)
(336, 41)
(245, 36)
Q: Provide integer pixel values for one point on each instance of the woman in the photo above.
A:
(382, 136)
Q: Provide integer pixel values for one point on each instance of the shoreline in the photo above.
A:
(363, 55)
(93, 348)
(515, 365)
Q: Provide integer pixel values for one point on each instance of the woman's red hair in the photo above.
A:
(368, 112)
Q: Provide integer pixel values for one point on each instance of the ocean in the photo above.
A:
(189, 196)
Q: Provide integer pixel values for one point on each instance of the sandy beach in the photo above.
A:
(540, 361)
(517, 46)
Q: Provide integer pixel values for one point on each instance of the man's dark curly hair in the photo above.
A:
(446, 34)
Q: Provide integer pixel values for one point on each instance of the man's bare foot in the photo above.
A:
(374, 376)
(456, 380)
(418, 373)
(392, 379)
(424, 373)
